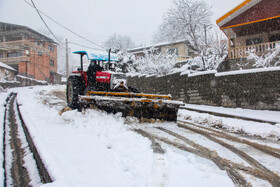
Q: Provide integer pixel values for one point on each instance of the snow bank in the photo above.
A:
(265, 115)
(263, 130)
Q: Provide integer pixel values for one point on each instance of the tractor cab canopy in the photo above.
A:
(101, 57)
(98, 55)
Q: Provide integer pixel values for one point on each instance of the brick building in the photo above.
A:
(32, 54)
(254, 25)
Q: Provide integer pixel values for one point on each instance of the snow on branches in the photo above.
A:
(151, 63)
(119, 43)
(155, 63)
(189, 20)
(186, 20)
(272, 58)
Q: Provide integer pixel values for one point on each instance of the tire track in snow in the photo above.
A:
(159, 175)
(194, 148)
(236, 171)
(19, 163)
(264, 148)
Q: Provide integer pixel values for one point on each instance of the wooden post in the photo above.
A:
(229, 44)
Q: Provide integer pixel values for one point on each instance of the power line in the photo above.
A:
(44, 21)
(64, 26)
(85, 46)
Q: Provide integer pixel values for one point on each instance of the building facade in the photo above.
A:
(252, 26)
(29, 52)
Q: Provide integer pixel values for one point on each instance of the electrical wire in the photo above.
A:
(64, 26)
(85, 46)
(45, 22)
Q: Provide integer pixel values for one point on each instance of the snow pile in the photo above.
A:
(239, 126)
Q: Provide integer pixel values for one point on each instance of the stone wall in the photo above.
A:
(252, 89)
(21, 81)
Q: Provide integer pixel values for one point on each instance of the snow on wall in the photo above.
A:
(252, 89)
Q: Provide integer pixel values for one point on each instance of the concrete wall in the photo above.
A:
(259, 90)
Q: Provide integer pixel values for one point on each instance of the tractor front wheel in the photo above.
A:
(73, 90)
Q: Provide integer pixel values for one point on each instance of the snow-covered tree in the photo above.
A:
(185, 20)
(189, 20)
(125, 63)
(214, 52)
(119, 43)
(154, 63)
(272, 58)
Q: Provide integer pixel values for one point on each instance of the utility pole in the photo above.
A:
(67, 63)
(205, 35)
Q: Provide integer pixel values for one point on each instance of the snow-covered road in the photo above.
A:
(100, 149)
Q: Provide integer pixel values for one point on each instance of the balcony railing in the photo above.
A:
(15, 59)
(259, 49)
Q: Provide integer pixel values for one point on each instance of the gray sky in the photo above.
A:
(99, 19)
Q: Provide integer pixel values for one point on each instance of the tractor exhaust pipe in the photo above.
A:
(109, 59)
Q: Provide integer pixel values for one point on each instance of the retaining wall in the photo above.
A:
(251, 89)
(21, 81)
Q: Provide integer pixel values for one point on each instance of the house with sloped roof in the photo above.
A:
(252, 26)
(7, 73)
(180, 48)
(29, 52)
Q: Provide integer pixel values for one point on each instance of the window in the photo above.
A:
(14, 54)
(51, 48)
(274, 38)
(254, 41)
(1, 55)
(51, 62)
(173, 51)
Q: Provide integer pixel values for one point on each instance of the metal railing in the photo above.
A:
(259, 49)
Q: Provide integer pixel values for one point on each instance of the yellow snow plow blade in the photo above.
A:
(134, 104)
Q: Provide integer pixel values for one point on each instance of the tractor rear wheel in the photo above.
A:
(73, 90)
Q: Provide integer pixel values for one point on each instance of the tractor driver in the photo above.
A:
(91, 72)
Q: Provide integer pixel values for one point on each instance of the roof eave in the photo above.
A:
(244, 6)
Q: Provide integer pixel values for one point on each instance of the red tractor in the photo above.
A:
(95, 78)
(108, 91)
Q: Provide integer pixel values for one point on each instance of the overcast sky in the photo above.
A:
(99, 19)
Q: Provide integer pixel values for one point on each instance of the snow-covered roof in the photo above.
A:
(155, 45)
(6, 66)
(244, 6)
(98, 55)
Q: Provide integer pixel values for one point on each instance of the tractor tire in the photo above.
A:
(74, 88)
